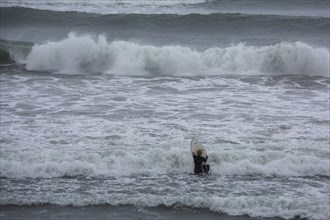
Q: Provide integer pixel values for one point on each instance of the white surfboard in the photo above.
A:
(195, 145)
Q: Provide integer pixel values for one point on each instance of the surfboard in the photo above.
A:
(195, 145)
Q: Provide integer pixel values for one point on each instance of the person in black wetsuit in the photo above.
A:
(198, 160)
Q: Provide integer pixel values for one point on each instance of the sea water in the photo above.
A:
(103, 98)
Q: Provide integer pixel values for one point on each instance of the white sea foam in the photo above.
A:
(268, 207)
(309, 206)
(77, 54)
(120, 163)
(92, 140)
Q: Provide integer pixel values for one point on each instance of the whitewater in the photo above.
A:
(86, 140)
(99, 101)
(119, 57)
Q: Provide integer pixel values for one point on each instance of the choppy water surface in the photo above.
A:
(100, 99)
(98, 139)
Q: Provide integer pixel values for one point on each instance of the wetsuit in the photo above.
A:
(198, 160)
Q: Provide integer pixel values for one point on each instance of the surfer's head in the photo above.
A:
(199, 152)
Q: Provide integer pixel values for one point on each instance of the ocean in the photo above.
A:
(100, 100)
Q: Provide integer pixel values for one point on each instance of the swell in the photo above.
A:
(16, 16)
(14, 51)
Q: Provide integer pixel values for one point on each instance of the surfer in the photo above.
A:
(198, 160)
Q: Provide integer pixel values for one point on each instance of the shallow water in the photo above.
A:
(118, 140)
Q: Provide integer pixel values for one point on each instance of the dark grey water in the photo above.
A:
(200, 31)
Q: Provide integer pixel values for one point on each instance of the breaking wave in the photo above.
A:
(120, 163)
(85, 54)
